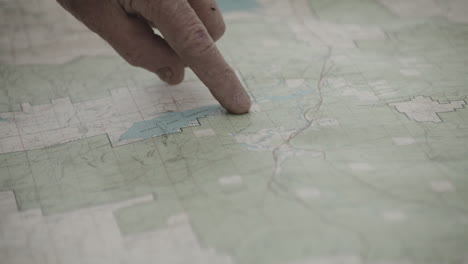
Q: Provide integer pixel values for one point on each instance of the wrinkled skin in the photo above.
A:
(190, 29)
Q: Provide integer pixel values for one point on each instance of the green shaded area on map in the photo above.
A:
(361, 181)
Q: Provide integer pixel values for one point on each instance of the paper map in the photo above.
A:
(355, 151)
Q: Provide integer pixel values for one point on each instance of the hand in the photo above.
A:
(189, 27)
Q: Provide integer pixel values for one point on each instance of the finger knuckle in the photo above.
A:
(220, 73)
(127, 5)
(197, 41)
(83, 10)
(134, 58)
(152, 9)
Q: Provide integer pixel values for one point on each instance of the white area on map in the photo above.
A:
(340, 83)
(424, 109)
(410, 72)
(383, 89)
(308, 193)
(62, 121)
(269, 43)
(363, 96)
(204, 132)
(230, 180)
(294, 83)
(360, 166)
(328, 122)
(454, 10)
(92, 236)
(403, 141)
(394, 216)
(442, 186)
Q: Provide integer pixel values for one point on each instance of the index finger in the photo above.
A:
(186, 34)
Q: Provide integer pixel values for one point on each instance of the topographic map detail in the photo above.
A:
(355, 150)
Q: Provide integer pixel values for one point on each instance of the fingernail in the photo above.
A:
(242, 98)
(165, 74)
(243, 103)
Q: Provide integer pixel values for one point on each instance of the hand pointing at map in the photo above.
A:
(190, 29)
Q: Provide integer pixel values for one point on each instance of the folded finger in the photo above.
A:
(130, 36)
(209, 13)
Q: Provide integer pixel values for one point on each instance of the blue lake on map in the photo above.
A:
(237, 5)
(169, 123)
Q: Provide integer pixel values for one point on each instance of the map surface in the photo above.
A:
(355, 151)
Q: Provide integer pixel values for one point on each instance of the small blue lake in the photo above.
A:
(169, 123)
(237, 5)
